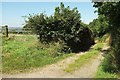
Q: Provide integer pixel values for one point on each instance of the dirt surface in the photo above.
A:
(50, 71)
(56, 70)
(88, 70)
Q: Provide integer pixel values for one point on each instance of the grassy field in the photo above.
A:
(24, 52)
(85, 58)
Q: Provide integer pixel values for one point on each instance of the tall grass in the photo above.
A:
(21, 53)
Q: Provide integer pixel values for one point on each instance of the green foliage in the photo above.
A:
(64, 25)
(102, 74)
(108, 64)
(104, 38)
(112, 13)
(107, 69)
(99, 26)
(24, 52)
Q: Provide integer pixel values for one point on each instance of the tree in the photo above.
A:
(64, 25)
(99, 26)
(111, 10)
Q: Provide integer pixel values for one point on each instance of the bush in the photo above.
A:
(84, 42)
(65, 25)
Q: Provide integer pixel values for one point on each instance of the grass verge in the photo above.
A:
(102, 74)
(22, 53)
(106, 69)
(83, 59)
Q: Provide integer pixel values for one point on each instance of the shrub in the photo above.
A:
(65, 25)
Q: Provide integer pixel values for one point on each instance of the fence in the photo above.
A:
(5, 30)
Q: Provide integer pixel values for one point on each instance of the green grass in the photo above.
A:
(106, 69)
(83, 59)
(21, 53)
(102, 74)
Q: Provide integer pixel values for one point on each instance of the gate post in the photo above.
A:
(6, 30)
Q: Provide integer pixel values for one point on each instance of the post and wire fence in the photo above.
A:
(5, 30)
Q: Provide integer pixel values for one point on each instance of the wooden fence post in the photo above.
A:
(6, 30)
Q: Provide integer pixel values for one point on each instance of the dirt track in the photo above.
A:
(56, 70)
(50, 71)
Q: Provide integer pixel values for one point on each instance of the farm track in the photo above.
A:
(49, 71)
(56, 70)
